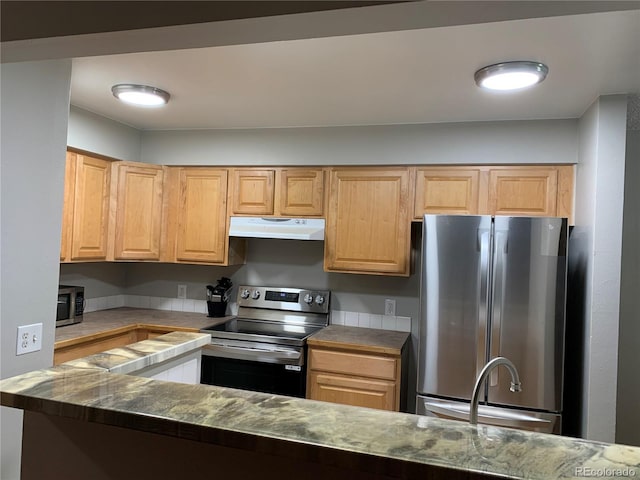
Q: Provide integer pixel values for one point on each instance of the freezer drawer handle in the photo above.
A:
(519, 420)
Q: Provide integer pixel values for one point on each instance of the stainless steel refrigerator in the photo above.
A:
(493, 286)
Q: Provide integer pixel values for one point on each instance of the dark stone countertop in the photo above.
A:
(95, 323)
(364, 339)
(292, 426)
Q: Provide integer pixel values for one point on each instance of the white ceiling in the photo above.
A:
(413, 76)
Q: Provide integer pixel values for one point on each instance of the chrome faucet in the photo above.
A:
(516, 386)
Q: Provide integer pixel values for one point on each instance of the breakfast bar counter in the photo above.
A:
(84, 422)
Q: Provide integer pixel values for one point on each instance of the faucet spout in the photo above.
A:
(515, 386)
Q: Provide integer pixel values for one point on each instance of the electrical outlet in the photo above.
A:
(389, 307)
(29, 338)
(182, 291)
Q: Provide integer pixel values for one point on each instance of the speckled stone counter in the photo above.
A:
(95, 323)
(356, 338)
(363, 440)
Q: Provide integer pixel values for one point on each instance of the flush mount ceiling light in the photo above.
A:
(511, 75)
(140, 95)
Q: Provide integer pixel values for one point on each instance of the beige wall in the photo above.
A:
(35, 107)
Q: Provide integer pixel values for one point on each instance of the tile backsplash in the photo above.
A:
(338, 317)
(370, 320)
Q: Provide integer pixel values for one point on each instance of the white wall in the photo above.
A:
(595, 259)
(97, 134)
(542, 141)
(628, 419)
(100, 279)
(35, 108)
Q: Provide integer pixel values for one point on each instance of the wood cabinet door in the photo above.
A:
(138, 212)
(252, 192)
(300, 192)
(446, 190)
(201, 215)
(368, 221)
(526, 191)
(360, 392)
(67, 207)
(90, 209)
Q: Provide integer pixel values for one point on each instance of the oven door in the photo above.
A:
(252, 366)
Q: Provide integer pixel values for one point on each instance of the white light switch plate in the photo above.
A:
(182, 291)
(29, 338)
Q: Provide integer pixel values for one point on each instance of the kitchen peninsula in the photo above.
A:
(89, 422)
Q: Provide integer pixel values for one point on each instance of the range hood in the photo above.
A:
(285, 228)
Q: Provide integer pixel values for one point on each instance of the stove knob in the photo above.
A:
(244, 293)
(319, 299)
(308, 299)
(256, 294)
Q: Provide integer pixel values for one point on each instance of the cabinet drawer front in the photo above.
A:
(353, 364)
(360, 392)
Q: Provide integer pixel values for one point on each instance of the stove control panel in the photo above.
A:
(279, 298)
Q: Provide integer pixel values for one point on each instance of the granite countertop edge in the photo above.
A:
(146, 353)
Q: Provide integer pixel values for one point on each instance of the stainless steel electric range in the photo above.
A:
(264, 347)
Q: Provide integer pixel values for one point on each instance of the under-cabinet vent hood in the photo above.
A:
(285, 228)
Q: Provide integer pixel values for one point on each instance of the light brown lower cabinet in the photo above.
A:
(355, 378)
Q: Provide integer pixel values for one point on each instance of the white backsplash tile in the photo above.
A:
(200, 306)
(388, 322)
(90, 305)
(370, 320)
(188, 305)
(363, 320)
(351, 319)
(156, 303)
(337, 317)
(403, 324)
(177, 304)
(166, 303)
(375, 321)
(101, 303)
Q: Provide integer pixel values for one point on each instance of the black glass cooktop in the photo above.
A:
(263, 331)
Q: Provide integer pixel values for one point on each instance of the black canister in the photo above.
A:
(217, 297)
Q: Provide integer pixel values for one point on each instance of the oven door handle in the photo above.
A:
(279, 355)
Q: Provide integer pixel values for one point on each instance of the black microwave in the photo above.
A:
(70, 305)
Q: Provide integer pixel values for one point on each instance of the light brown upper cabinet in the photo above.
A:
(252, 191)
(278, 191)
(197, 218)
(447, 190)
(368, 221)
(300, 192)
(542, 190)
(531, 191)
(67, 207)
(138, 211)
(92, 184)
(202, 215)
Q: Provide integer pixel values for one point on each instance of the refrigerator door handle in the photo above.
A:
(484, 237)
(498, 286)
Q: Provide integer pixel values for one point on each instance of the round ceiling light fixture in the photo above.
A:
(140, 95)
(511, 75)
